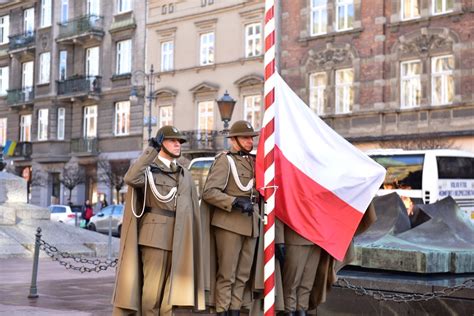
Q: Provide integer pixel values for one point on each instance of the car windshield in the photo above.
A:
(57, 209)
(107, 210)
(118, 210)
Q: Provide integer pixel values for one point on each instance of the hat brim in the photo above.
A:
(246, 134)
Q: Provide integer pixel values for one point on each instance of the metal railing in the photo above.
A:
(85, 145)
(20, 96)
(22, 40)
(23, 149)
(83, 25)
(207, 140)
(80, 84)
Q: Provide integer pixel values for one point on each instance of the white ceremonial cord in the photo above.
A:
(162, 198)
(233, 168)
(144, 198)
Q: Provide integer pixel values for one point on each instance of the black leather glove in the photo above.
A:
(153, 143)
(280, 252)
(244, 204)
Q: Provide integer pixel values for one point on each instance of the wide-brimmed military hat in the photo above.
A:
(242, 128)
(170, 132)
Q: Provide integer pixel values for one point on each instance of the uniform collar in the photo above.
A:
(165, 161)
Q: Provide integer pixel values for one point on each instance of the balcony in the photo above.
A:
(22, 42)
(203, 141)
(19, 97)
(85, 146)
(23, 150)
(79, 86)
(79, 30)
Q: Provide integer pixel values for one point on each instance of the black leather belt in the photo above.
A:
(160, 211)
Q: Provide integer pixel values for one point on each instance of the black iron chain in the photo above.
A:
(67, 260)
(402, 297)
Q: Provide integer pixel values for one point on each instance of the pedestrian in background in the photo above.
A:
(88, 212)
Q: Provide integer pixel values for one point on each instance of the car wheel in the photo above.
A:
(119, 230)
(91, 227)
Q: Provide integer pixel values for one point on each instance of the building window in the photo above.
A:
(167, 51)
(442, 6)
(253, 110)
(4, 29)
(122, 118)
(4, 80)
(410, 9)
(3, 131)
(319, 17)
(344, 90)
(45, 13)
(27, 76)
(166, 115)
(62, 65)
(61, 123)
(344, 15)
(93, 7)
(43, 124)
(206, 115)
(25, 128)
(207, 49)
(442, 84)
(253, 40)
(410, 91)
(45, 66)
(317, 92)
(92, 61)
(64, 10)
(124, 57)
(29, 20)
(124, 6)
(90, 121)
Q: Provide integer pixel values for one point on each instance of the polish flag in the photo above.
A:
(325, 184)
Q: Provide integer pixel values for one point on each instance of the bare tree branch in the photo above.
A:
(113, 173)
(72, 175)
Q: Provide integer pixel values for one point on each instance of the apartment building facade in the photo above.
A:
(384, 72)
(65, 81)
(201, 49)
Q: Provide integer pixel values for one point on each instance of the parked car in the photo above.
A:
(64, 214)
(100, 221)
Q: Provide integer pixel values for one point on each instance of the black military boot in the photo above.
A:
(234, 313)
(301, 313)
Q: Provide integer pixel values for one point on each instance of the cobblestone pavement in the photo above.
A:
(61, 291)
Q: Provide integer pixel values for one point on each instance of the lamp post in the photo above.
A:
(150, 78)
(226, 108)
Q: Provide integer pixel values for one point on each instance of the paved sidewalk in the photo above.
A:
(61, 291)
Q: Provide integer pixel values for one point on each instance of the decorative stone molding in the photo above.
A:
(204, 87)
(424, 43)
(166, 93)
(329, 57)
(249, 80)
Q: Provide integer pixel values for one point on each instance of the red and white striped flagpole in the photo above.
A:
(269, 165)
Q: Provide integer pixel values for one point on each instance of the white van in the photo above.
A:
(429, 175)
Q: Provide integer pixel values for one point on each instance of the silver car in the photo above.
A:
(111, 215)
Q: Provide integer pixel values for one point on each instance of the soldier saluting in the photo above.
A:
(160, 261)
(230, 194)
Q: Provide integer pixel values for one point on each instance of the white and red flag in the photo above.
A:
(325, 184)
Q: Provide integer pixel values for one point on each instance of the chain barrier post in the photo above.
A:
(34, 274)
(109, 246)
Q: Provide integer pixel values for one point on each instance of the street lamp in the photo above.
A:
(150, 79)
(226, 107)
